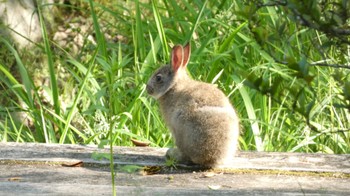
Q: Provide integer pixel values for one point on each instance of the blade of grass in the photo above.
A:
(53, 80)
(160, 29)
(194, 27)
(28, 83)
(151, 56)
(50, 115)
(12, 84)
(103, 54)
(99, 36)
(5, 127)
(251, 115)
(26, 99)
(140, 44)
(77, 99)
(227, 42)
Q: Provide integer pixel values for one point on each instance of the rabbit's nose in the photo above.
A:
(149, 89)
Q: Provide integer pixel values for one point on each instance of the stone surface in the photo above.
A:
(41, 169)
(21, 17)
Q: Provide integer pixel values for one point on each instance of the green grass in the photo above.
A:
(261, 59)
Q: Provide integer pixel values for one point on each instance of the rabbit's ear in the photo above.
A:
(187, 54)
(177, 56)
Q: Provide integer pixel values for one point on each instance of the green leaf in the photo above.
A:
(99, 156)
(102, 144)
(130, 168)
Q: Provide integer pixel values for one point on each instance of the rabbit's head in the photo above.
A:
(167, 76)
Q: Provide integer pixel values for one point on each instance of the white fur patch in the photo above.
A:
(216, 109)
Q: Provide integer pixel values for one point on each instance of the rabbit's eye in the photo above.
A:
(158, 78)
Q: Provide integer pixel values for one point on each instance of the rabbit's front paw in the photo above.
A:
(175, 154)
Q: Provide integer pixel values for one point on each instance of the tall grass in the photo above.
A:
(234, 46)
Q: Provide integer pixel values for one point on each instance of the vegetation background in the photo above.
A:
(283, 64)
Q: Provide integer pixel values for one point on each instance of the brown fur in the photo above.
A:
(202, 121)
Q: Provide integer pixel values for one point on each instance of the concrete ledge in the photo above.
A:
(41, 169)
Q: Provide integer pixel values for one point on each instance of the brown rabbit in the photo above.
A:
(201, 119)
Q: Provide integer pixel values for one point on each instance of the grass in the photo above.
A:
(261, 59)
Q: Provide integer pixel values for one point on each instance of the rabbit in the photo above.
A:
(200, 117)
